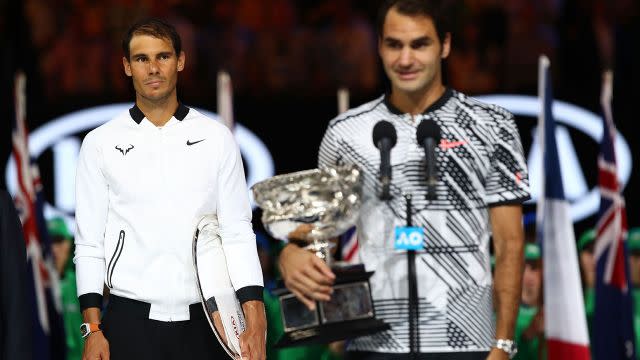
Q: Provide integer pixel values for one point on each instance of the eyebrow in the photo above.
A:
(422, 39)
(163, 53)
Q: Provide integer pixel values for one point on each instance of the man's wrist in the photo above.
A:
(507, 345)
(88, 328)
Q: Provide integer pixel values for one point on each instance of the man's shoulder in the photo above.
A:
(469, 103)
(367, 111)
(106, 130)
(206, 122)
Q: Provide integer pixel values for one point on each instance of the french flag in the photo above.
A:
(613, 333)
(565, 319)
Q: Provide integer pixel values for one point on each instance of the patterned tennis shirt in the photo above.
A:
(480, 165)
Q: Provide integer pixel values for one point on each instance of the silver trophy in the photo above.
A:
(218, 297)
(309, 208)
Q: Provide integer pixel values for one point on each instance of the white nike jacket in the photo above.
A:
(140, 190)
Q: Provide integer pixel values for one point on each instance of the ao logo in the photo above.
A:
(411, 239)
(584, 201)
(58, 134)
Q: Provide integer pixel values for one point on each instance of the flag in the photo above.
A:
(613, 314)
(349, 246)
(565, 320)
(48, 333)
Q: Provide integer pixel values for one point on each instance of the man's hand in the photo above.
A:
(253, 341)
(305, 275)
(96, 347)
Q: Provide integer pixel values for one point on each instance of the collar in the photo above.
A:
(137, 115)
(448, 93)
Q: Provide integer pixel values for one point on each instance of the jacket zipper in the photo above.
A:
(114, 258)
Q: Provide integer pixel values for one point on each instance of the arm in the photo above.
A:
(508, 241)
(96, 345)
(253, 339)
(92, 204)
(238, 241)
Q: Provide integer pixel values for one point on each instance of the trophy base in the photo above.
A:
(327, 333)
(348, 314)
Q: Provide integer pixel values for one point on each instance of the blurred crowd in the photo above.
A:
(312, 47)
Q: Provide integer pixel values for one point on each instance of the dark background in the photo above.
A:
(287, 58)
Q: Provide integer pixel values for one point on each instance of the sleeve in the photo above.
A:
(507, 181)
(329, 154)
(234, 217)
(15, 315)
(92, 204)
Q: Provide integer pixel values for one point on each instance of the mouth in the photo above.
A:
(407, 75)
(154, 82)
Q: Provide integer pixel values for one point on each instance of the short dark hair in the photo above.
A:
(438, 10)
(153, 27)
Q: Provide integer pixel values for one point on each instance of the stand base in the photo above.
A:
(327, 333)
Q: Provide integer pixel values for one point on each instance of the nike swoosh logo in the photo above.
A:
(189, 143)
(446, 144)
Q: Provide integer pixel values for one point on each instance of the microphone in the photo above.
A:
(385, 138)
(428, 136)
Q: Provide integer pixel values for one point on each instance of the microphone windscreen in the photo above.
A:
(428, 129)
(382, 130)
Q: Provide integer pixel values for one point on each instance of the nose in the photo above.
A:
(406, 57)
(153, 67)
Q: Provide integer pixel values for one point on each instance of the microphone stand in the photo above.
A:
(414, 338)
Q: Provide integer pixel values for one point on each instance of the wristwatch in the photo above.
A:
(506, 345)
(87, 329)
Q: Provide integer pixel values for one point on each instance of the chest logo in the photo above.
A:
(446, 144)
(124, 149)
(189, 143)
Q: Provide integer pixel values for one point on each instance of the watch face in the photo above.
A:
(84, 330)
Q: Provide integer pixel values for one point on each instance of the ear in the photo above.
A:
(181, 61)
(379, 45)
(127, 66)
(446, 46)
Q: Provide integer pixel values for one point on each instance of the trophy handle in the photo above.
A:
(217, 295)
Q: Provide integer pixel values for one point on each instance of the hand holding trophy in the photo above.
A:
(310, 207)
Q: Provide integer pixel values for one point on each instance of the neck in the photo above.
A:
(531, 299)
(158, 111)
(417, 102)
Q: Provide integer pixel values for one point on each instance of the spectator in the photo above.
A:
(15, 319)
(633, 244)
(62, 246)
(588, 271)
(530, 322)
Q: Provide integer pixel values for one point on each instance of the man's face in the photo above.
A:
(411, 52)
(153, 66)
(531, 283)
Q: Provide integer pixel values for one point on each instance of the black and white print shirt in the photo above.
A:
(480, 165)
